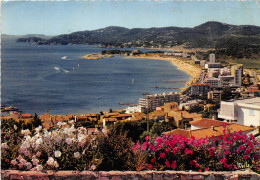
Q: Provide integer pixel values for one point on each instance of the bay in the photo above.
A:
(55, 78)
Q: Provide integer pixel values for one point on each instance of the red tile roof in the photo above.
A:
(207, 123)
(200, 84)
(210, 132)
(26, 115)
(180, 132)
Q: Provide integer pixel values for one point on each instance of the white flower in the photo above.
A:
(58, 139)
(38, 129)
(56, 164)
(38, 142)
(39, 168)
(35, 161)
(26, 144)
(57, 154)
(59, 124)
(23, 162)
(38, 154)
(71, 121)
(26, 132)
(15, 127)
(14, 162)
(81, 139)
(93, 167)
(50, 161)
(69, 140)
(27, 153)
(19, 158)
(76, 155)
(29, 165)
(28, 138)
(4, 146)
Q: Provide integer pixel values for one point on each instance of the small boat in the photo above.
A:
(66, 71)
(10, 108)
(78, 65)
(57, 68)
(64, 57)
(133, 81)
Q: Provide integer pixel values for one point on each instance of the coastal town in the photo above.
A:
(215, 94)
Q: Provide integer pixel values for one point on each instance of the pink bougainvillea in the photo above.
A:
(227, 152)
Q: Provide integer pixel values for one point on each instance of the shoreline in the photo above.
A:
(190, 69)
(193, 71)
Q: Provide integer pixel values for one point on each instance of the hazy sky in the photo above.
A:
(53, 18)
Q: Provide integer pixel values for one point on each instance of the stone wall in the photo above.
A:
(127, 175)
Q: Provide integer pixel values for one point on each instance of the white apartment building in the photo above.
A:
(133, 109)
(150, 102)
(214, 82)
(212, 58)
(245, 112)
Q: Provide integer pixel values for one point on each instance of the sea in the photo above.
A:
(55, 79)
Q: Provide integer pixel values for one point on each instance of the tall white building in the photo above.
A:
(212, 58)
(150, 102)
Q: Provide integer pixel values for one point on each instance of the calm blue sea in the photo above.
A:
(39, 78)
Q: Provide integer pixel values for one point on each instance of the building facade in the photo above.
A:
(245, 112)
(150, 102)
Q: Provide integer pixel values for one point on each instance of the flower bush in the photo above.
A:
(62, 148)
(228, 152)
(72, 148)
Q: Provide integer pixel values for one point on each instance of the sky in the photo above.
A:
(63, 17)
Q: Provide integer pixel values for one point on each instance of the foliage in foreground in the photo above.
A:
(229, 152)
(74, 149)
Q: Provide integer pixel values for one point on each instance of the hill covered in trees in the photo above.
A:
(231, 40)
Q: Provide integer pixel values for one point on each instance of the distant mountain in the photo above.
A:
(208, 35)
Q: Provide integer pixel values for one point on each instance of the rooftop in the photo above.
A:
(251, 101)
(210, 132)
(207, 123)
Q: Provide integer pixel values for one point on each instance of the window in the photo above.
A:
(251, 112)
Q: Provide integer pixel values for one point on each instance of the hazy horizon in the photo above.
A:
(53, 18)
(123, 27)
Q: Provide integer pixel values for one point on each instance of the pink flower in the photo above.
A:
(162, 155)
(144, 146)
(166, 150)
(175, 150)
(200, 170)
(224, 160)
(174, 165)
(256, 157)
(252, 137)
(237, 151)
(167, 164)
(227, 152)
(246, 157)
(242, 147)
(197, 165)
(153, 160)
(188, 152)
(206, 169)
(193, 162)
(150, 166)
(147, 137)
(224, 125)
(248, 150)
(137, 146)
(153, 148)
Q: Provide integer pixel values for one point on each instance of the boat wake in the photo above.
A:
(59, 69)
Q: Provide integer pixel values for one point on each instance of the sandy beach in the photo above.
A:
(183, 65)
(190, 69)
